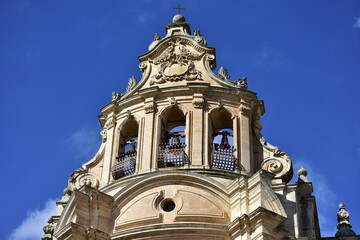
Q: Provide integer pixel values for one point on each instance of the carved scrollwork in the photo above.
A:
(88, 180)
(143, 66)
(115, 96)
(278, 162)
(176, 64)
(79, 178)
(278, 166)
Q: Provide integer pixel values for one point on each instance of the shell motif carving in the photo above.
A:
(280, 167)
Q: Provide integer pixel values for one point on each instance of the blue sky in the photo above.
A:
(60, 61)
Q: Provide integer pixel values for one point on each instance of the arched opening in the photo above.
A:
(172, 139)
(126, 158)
(222, 140)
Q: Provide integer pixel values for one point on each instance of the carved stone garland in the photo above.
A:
(176, 64)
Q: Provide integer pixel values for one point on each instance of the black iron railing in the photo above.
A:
(222, 156)
(125, 166)
(172, 155)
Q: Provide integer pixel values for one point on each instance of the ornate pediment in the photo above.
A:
(176, 63)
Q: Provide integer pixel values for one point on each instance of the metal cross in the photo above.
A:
(178, 8)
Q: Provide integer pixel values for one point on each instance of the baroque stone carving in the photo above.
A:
(242, 83)
(49, 231)
(344, 226)
(156, 37)
(115, 96)
(176, 64)
(302, 173)
(88, 180)
(109, 123)
(143, 66)
(173, 101)
(149, 107)
(278, 162)
(198, 103)
(223, 74)
(79, 178)
(131, 84)
(278, 166)
(103, 134)
(155, 42)
(198, 38)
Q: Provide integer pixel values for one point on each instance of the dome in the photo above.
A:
(178, 19)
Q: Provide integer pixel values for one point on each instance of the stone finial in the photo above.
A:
(131, 84)
(302, 173)
(223, 74)
(198, 38)
(49, 231)
(344, 226)
(242, 83)
(178, 18)
(156, 37)
(155, 42)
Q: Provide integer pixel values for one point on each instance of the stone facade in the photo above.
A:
(161, 171)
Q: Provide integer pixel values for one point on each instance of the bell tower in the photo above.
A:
(182, 157)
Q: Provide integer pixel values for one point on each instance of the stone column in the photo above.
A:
(236, 137)
(207, 139)
(147, 136)
(245, 131)
(140, 144)
(197, 130)
(188, 133)
(109, 129)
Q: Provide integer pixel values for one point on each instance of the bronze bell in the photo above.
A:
(224, 140)
(175, 140)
